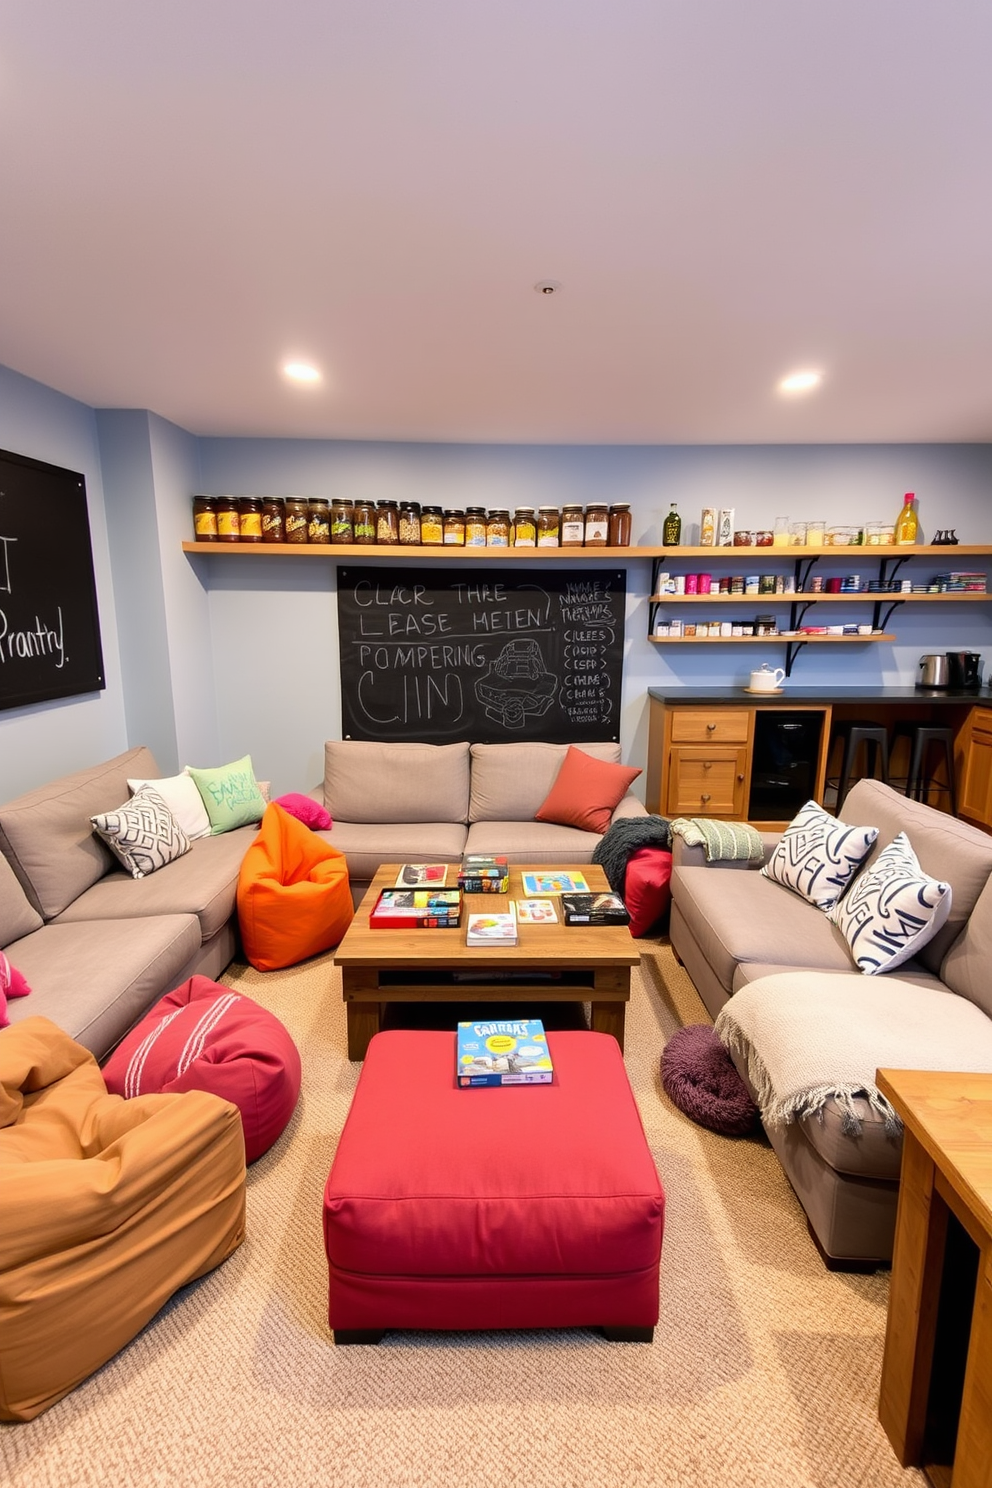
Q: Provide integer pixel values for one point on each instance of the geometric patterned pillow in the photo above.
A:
(818, 855)
(143, 834)
(892, 910)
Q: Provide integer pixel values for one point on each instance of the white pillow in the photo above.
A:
(818, 855)
(892, 909)
(180, 794)
(143, 833)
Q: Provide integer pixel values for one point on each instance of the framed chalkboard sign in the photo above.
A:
(49, 625)
(493, 655)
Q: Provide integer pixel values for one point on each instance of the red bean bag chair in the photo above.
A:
(203, 1036)
(294, 897)
(647, 890)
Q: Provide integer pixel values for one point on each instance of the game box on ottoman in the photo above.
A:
(531, 1206)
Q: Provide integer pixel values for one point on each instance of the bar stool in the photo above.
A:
(856, 732)
(926, 739)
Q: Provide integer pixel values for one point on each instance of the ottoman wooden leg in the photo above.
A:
(628, 1335)
(359, 1335)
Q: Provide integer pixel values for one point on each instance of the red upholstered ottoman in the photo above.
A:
(521, 1207)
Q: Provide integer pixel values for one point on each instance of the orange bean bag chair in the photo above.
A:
(294, 897)
(107, 1206)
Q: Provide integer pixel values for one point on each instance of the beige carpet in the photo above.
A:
(764, 1369)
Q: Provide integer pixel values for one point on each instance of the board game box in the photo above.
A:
(411, 909)
(510, 1051)
(594, 909)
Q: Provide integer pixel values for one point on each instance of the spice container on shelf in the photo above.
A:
(319, 520)
(548, 527)
(597, 527)
(409, 518)
(573, 527)
(204, 519)
(342, 520)
(619, 525)
(524, 528)
(250, 518)
(454, 528)
(475, 527)
(498, 529)
(273, 520)
(296, 519)
(363, 523)
(707, 527)
(228, 519)
(387, 523)
(432, 527)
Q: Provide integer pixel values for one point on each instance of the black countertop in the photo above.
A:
(826, 694)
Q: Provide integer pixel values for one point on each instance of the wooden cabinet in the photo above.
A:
(698, 761)
(974, 767)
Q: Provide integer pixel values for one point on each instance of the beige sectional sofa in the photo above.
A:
(433, 802)
(97, 946)
(753, 947)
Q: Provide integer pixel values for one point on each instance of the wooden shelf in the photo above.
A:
(828, 550)
(756, 640)
(442, 554)
(808, 597)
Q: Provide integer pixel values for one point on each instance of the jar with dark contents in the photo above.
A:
(475, 527)
(296, 518)
(273, 520)
(597, 528)
(498, 529)
(319, 520)
(250, 513)
(409, 522)
(363, 523)
(454, 529)
(524, 528)
(573, 527)
(431, 527)
(387, 522)
(548, 527)
(228, 519)
(342, 521)
(204, 519)
(619, 525)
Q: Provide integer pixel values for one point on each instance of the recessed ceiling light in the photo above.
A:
(800, 382)
(547, 286)
(300, 372)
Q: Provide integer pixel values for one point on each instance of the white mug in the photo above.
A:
(765, 680)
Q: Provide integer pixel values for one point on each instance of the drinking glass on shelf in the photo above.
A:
(879, 534)
(816, 528)
(797, 533)
(781, 533)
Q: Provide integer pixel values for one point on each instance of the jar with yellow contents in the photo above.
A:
(296, 519)
(498, 529)
(319, 520)
(204, 519)
(431, 527)
(524, 527)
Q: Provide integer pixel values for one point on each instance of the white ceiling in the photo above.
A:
(727, 190)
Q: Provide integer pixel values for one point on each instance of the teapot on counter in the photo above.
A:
(766, 680)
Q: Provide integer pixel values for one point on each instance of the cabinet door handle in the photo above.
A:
(704, 797)
(741, 778)
(710, 727)
(707, 764)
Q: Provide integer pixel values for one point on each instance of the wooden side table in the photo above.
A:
(946, 1171)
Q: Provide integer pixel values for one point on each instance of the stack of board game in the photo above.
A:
(554, 881)
(594, 909)
(423, 909)
(512, 1051)
(483, 873)
(422, 876)
(496, 929)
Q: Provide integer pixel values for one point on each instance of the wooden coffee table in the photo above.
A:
(549, 963)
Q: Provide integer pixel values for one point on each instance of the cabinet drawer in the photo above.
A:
(707, 782)
(703, 725)
(981, 720)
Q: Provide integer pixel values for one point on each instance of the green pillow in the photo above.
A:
(230, 794)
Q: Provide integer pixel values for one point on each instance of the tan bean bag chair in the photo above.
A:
(106, 1207)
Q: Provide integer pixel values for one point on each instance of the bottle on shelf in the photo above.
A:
(671, 532)
(907, 522)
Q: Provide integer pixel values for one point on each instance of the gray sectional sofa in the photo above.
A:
(755, 948)
(420, 803)
(97, 946)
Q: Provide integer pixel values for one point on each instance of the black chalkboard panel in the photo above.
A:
(49, 626)
(444, 654)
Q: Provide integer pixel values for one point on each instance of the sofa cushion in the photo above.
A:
(142, 833)
(365, 781)
(17, 915)
(230, 794)
(532, 842)
(310, 812)
(586, 792)
(13, 983)
(909, 971)
(891, 910)
(511, 781)
(818, 855)
(965, 968)
(49, 839)
(947, 849)
(647, 888)
(180, 794)
(368, 845)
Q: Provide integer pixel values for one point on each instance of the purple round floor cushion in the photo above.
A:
(699, 1077)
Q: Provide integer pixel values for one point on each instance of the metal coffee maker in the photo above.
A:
(933, 671)
(964, 671)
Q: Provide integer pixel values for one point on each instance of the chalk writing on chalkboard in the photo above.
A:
(49, 627)
(442, 654)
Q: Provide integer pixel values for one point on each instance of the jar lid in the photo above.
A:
(454, 511)
(475, 511)
(524, 508)
(497, 512)
(319, 501)
(432, 509)
(620, 506)
(548, 509)
(385, 503)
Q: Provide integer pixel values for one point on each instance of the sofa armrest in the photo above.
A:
(684, 856)
(628, 806)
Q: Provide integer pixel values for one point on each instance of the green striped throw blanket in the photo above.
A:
(723, 841)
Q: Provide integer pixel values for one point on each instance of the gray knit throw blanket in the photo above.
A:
(624, 837)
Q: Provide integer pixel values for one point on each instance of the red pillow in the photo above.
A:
(203, 1036)
(647, 889)
(12, 984)
(586, 792)
(306, 810)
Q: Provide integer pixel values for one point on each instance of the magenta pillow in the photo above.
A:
(12, 984)
(203, 1036)
(647, 889)
(306, 810)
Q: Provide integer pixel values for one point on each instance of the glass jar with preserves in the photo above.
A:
(454, 528)
(619, 525)
(475, 527)
(387, 522)
(431, 527)
(296, 518)
(228, 519)
(273, 520)
(524, 527)
(597, 528)
(204, 519)
(319, 520)
(498, 529)
(409, 522)
(548, 527)
(250, 513)
(573, 527)
(342, 520)
(363, 522)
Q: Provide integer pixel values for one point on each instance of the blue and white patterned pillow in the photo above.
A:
(143, 834)
(818, 855)
(892, 910)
